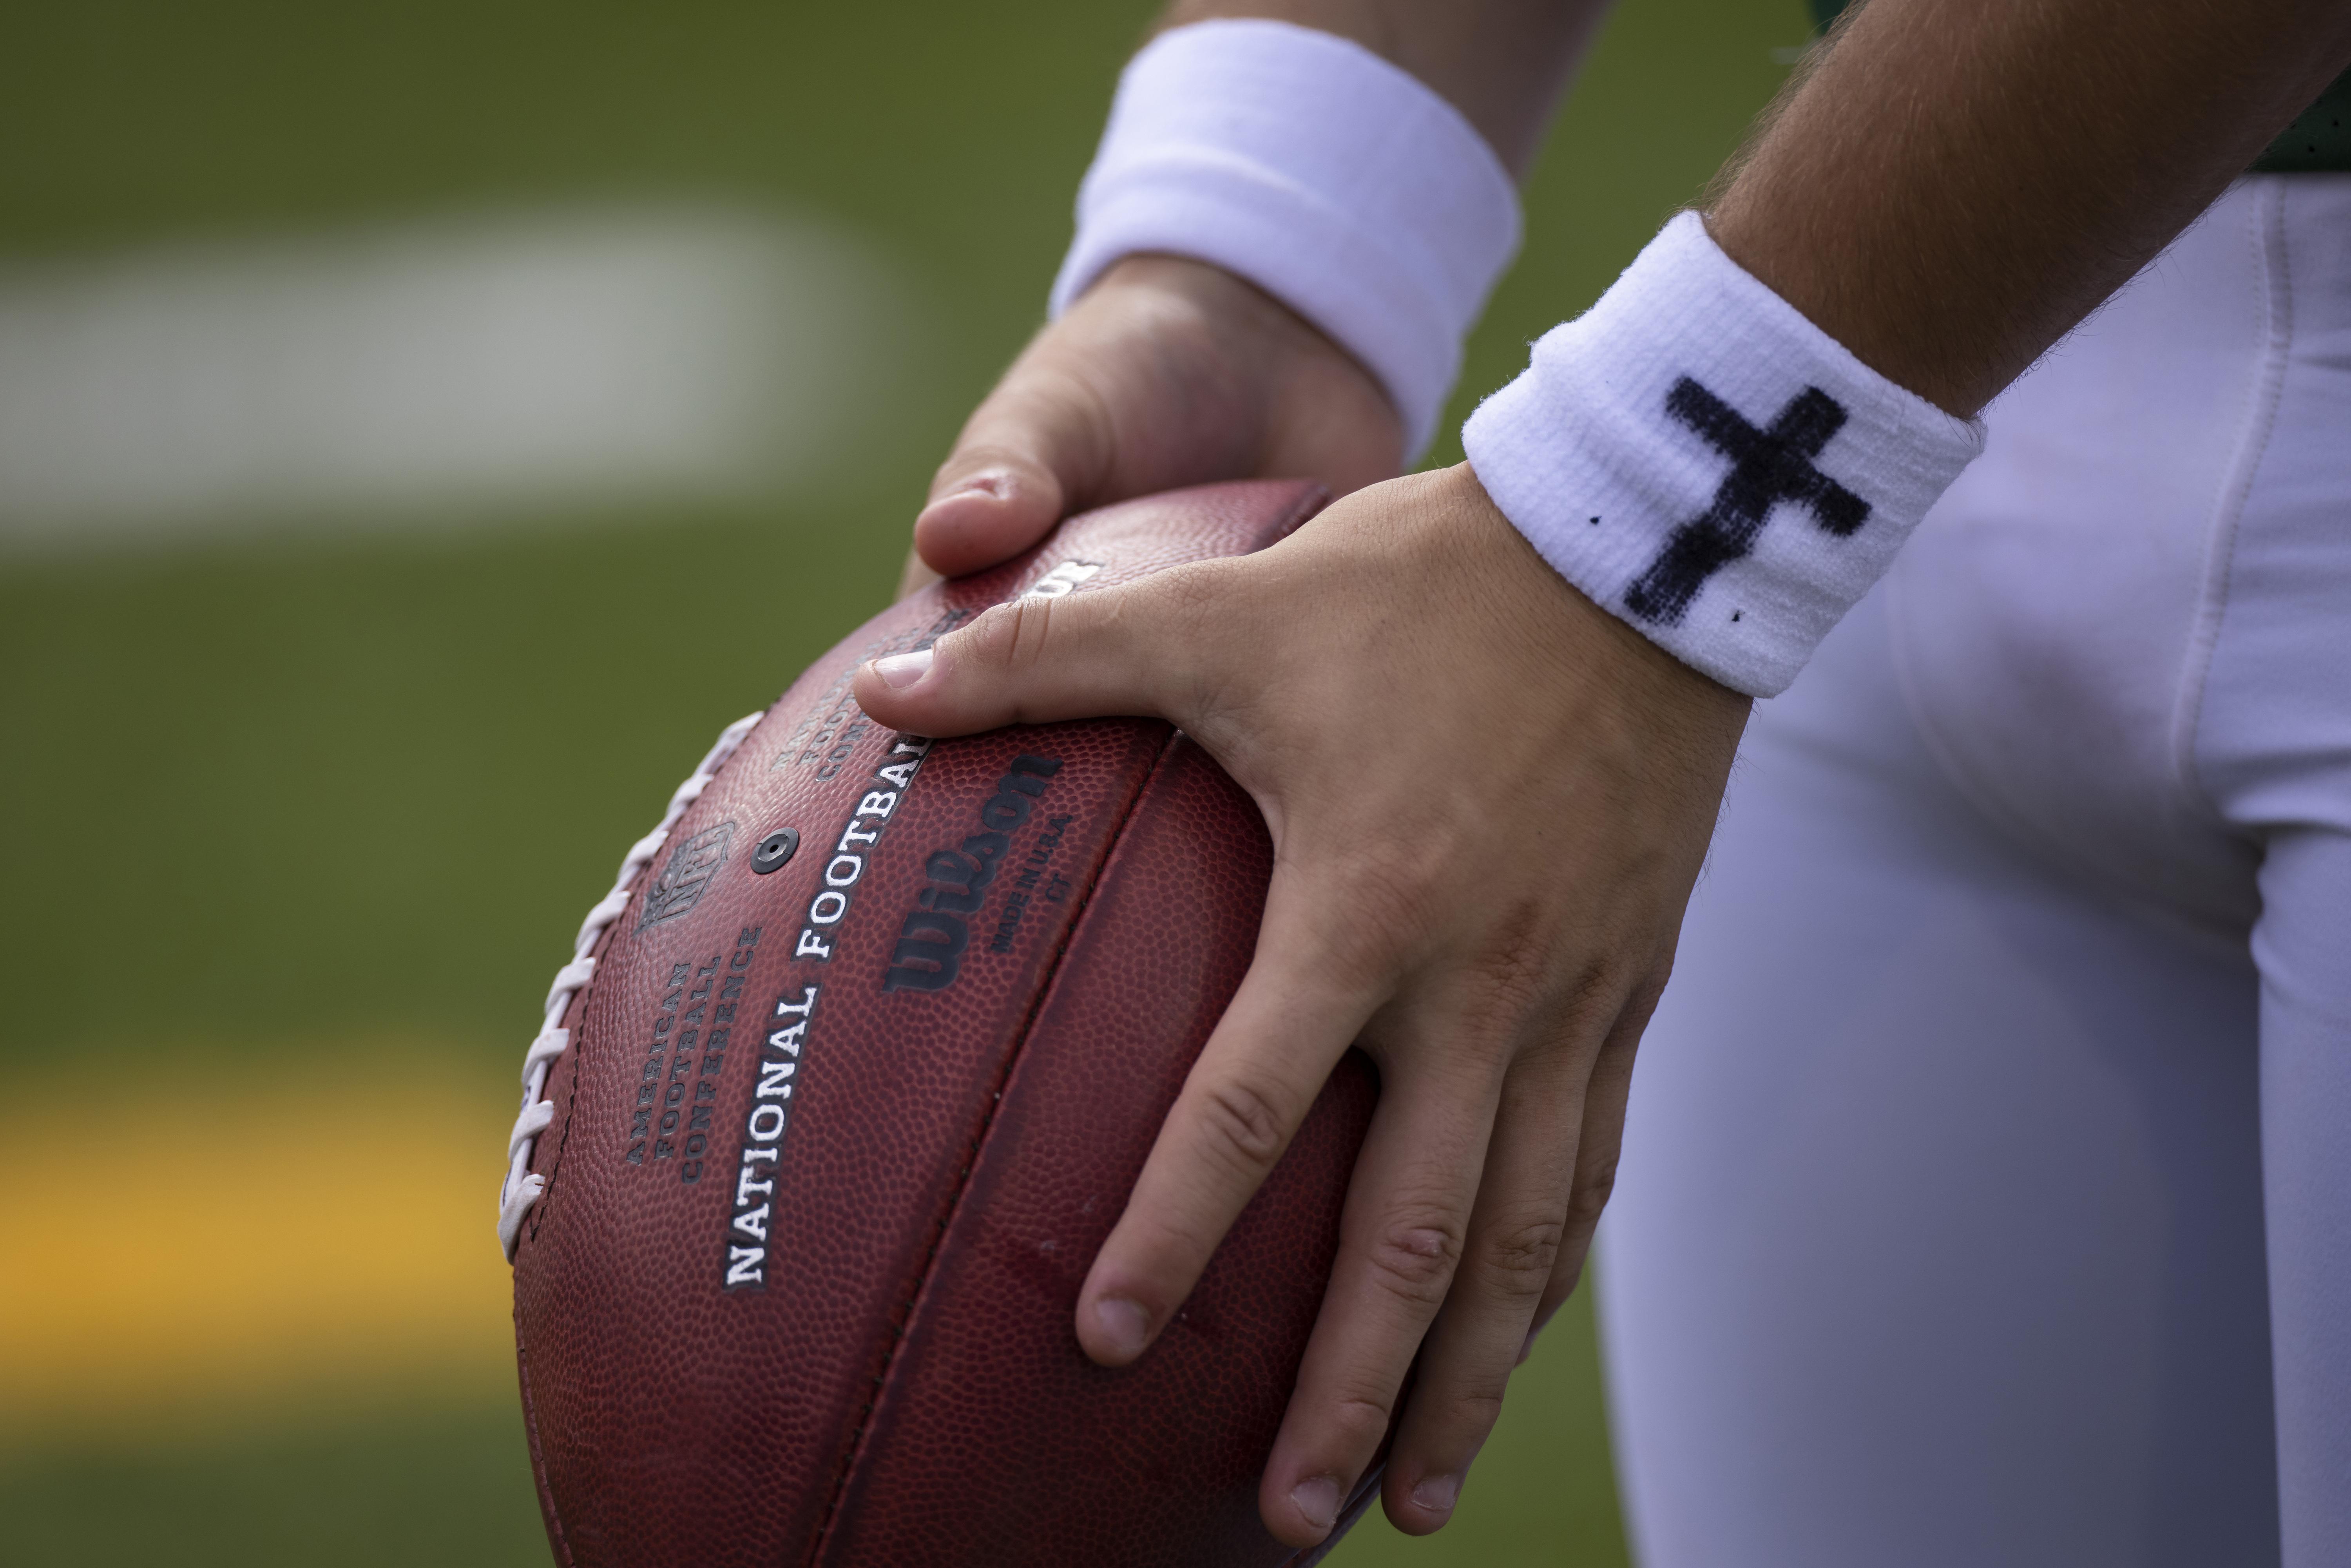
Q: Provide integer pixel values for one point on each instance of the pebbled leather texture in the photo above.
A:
(799, 1290)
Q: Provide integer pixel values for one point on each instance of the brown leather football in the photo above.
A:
(846, 1083)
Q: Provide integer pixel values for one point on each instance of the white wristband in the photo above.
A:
(1702, 461)
(1336, 182)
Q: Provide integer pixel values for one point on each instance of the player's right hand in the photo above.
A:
(1166, 373)
(1487, 798)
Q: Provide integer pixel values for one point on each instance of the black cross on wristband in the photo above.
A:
(1768, 466)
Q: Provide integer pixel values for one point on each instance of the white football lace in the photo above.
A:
(523, 1185)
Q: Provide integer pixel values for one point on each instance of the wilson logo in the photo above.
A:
(932, 939)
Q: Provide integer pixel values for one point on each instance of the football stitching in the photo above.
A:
(524, 1186)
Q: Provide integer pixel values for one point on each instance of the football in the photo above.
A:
(847, 1080)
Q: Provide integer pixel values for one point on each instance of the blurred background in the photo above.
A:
(421, 426)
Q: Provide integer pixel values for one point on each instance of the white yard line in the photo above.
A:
(511, 364)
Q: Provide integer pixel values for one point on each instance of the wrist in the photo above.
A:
(1331, 179)
(1564, 619)
(1709, 467)
(1253, 387)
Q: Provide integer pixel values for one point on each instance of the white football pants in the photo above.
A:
(1987, 1193)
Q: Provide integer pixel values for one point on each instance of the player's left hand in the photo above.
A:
(1489, 800)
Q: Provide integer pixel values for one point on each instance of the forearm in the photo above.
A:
(1956, 182)
(1502, 63)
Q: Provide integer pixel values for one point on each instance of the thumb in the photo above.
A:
(1041, 441)
(1120, 649)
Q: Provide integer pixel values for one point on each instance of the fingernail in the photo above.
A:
(1124, 1324)
(987, 482)
(1436, 1494)
(900, 671)
(1317, 1498)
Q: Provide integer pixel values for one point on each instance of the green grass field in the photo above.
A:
(280, 796)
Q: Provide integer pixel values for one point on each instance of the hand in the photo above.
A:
(1489, 800)
(1166, 373)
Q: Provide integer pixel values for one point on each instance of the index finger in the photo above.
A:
(1294, 1015)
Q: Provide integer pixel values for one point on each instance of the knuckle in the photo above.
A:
(1386, 912)
(1009, 638)
(1029, 637)
(988, 641)
(1247, 1123)
(1413, 1256)
(1517, 1259)
(1362, 1417)
(1352, 963)
(1591, 1196)
(1513, 965)
(1574, 1008)
(1477, 1403)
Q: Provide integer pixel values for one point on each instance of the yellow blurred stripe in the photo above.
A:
(245, 1234)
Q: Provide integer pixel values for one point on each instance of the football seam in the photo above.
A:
(562, 1539)
(855, 1450)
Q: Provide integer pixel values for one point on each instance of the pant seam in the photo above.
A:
(2267, 236)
